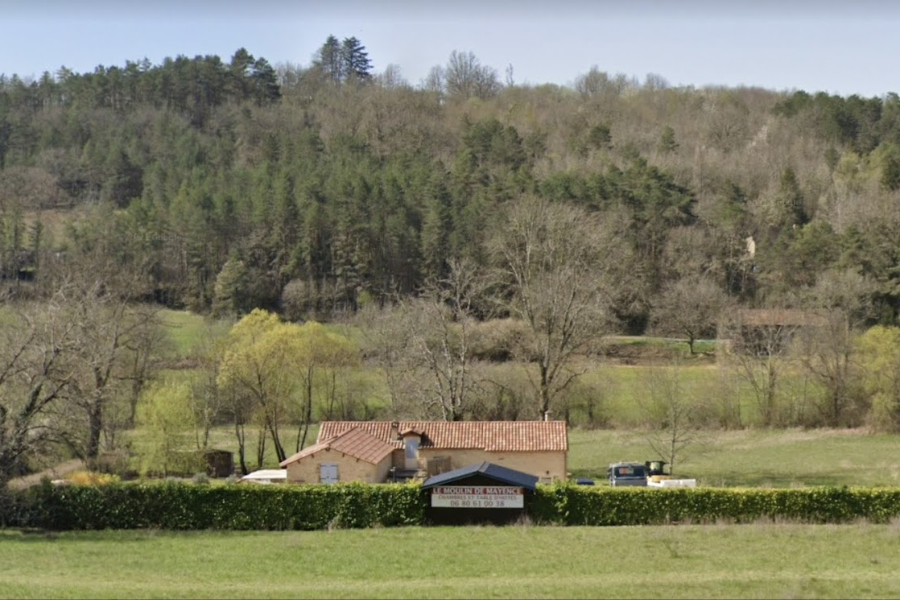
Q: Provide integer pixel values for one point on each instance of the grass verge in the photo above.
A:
(719, 561)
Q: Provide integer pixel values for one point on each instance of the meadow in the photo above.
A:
(761, 560)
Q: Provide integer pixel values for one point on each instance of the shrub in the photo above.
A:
(498, 339)
(91, 478)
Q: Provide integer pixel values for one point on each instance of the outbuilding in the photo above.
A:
(480, 493)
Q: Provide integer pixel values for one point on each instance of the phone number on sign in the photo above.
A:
(463, 501)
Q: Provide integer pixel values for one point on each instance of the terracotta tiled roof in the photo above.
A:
(352, 441)
(492, 436)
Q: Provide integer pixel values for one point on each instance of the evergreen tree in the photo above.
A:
(265, 83)
(330, 60)
(230, 289)
(436, 232)
(239, 74)
(790, 202)
(667, 141)
(356, 60)
(599, 137)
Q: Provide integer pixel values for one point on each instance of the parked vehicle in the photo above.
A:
(627, 474)
(652, 473)
(660, 475)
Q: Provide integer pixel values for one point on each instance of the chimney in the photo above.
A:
(395, 430)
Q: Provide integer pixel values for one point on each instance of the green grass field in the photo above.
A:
(754, 458)
(717, 561)
(187, 329)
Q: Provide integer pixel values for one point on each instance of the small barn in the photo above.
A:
(351, 455)
(766, 331)
(481, 493)
(219, 463)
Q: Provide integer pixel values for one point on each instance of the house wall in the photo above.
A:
(306, 470)
(539, 464)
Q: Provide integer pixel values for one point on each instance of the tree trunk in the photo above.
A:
(261, 448)
(242, 451)
(95, 429)
(276, 440)
(301, 441)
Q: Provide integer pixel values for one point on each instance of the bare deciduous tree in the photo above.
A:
(674, 420)
(759, 355)
(827, 351)
(424, 346)
(689, 307)
(34, 375)
(556, 260)
(466, 77)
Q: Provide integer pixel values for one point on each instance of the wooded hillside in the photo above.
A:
(233, 184)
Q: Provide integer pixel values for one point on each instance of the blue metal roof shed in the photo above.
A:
(479, 493)
(486, 469)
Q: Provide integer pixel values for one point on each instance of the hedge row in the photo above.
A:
(248, 507)
(233, 507)
(573, 505)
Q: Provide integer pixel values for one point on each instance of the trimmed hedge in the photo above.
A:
(234, 507)
(565, 504)
(183, 506)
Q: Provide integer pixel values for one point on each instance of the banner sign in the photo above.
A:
(478, 496)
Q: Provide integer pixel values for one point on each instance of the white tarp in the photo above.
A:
(672, 483)
(266, 476)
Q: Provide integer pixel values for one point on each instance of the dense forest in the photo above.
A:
(318, 188)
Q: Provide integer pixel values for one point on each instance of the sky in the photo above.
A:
(843, 48)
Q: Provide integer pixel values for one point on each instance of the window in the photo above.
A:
(328, 473)
(412, 452)
(630, 471)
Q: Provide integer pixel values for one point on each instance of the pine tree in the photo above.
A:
(791, 204)
(356, 60)
(667, 141)
(330, 60)
(265, 83)
(230, 288)
(239, 73)
(890, 172)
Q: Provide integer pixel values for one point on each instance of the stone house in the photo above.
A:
(381, 451)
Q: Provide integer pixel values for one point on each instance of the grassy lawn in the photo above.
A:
(768, 458)
(187, 329)
(747, 561)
